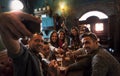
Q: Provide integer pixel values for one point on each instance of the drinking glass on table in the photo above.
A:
(59, 60)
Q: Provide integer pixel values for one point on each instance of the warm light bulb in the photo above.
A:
(16, 5)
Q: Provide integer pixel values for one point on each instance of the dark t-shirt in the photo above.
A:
(26, 63)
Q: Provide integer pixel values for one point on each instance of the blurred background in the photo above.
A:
(100, 16)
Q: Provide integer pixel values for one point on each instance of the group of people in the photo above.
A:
(39, 58)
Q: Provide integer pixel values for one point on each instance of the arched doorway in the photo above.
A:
(97, 22)
(98, 14)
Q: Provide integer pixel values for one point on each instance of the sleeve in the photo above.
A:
(21, 57)
(17, 55)
(99, 66)
(78, 51)
(52, 48)
(80, 65)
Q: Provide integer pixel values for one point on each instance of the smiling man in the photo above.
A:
(103, 63)
(26, 61)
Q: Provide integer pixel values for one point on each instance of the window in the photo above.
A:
(99, 27)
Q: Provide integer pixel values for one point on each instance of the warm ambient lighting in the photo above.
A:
(99, 27)
(63, 7)
(16, 5)
(98, 14)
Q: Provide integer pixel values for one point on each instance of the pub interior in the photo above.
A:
(64, 21)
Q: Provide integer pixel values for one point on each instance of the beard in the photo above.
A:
(36, 49)
(88, 49)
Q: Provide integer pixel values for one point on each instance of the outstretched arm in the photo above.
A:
(12, 28)
(11, 44)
